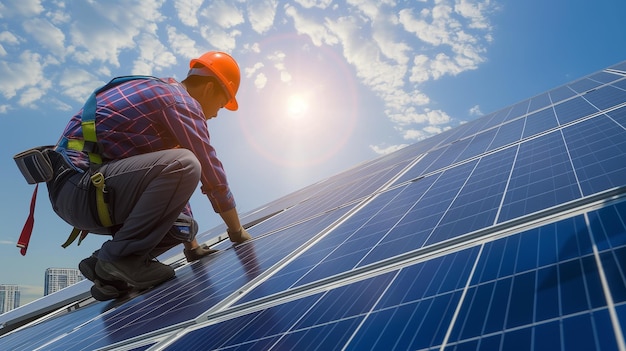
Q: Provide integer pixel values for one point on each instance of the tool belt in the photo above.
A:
(44, 164)
(35, 164)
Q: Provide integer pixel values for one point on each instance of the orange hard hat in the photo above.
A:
(222, 66)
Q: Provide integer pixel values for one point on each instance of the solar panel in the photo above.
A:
(504, 233)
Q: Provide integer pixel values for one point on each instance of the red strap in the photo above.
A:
(28, 226)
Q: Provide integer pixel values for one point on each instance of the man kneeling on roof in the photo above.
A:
(152, 149)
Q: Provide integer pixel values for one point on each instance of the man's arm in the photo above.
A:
(235, 231)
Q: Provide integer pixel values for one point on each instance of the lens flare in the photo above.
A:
(297, 106)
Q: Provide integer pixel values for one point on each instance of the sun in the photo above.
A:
(297, 106)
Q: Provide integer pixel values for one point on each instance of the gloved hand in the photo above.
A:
(198, 253)
(238, 236)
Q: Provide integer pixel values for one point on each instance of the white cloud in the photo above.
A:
(59, 105)
(474, 12)
(220, 39)
(8, 37)
(260, 81)
(182, 44)
(25, 73)
(58, 16)
(25, 8)
(371, 8)
(386, 150)
(393, 48)
(384, 37)
(311, 27)
(285, 77)
(420, 72)
(415, 134)
(110, 28)
(261, 14)
(249, 71)
(187, 11)
(222, 13)
(153, 56)
(475, 111)
(31, 95)
(322, 4)
(47, 35)
(78, 84)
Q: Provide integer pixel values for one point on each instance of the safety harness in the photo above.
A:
(92, 147)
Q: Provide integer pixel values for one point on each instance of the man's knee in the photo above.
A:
(188, 163)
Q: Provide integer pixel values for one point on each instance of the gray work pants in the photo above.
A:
(148, 191)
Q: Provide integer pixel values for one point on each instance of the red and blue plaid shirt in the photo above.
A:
(147, 115)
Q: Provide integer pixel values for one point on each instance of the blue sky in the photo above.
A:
(325, 84)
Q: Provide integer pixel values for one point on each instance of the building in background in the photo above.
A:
(60, 278)
(505, 233)
(9, 297)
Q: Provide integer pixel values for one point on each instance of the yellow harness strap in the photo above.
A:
(103, 210)
(90, 145)
(73, 235)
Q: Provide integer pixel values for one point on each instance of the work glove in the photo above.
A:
(238, 236)
(198, 253)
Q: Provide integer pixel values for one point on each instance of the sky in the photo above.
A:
(326, 84)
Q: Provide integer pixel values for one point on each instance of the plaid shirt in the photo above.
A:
(142, 116)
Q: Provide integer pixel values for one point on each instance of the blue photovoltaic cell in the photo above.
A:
(558, 282)
(449, 156)
(419, 168)
(605, 77)
(416, 226)
(539, 102)
(478, 125)
(518, 110)
(508, 133)
(324, 320)
(620, 67)
(542, 177)
(620, 85)
(539, 122)
(497, 119)
(598, 151)
(195, 289)
(43, 332)
(541, 282)
(342, 249)
(478, 144)
(619, 116)
(573, 109)
(606, 97)
(608, 226)
(476, 206)
(585, 84)
(561, 93)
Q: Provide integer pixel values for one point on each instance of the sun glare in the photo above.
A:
(297, 106)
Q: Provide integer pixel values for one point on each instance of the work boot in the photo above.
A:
(139, 272)
(102, 290)
(88, 267)
(198, 253)
(238, 236)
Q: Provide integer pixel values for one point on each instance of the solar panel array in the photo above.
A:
(506, 233)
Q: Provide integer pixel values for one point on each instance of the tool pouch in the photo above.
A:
(35, 164)
(184, 228)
